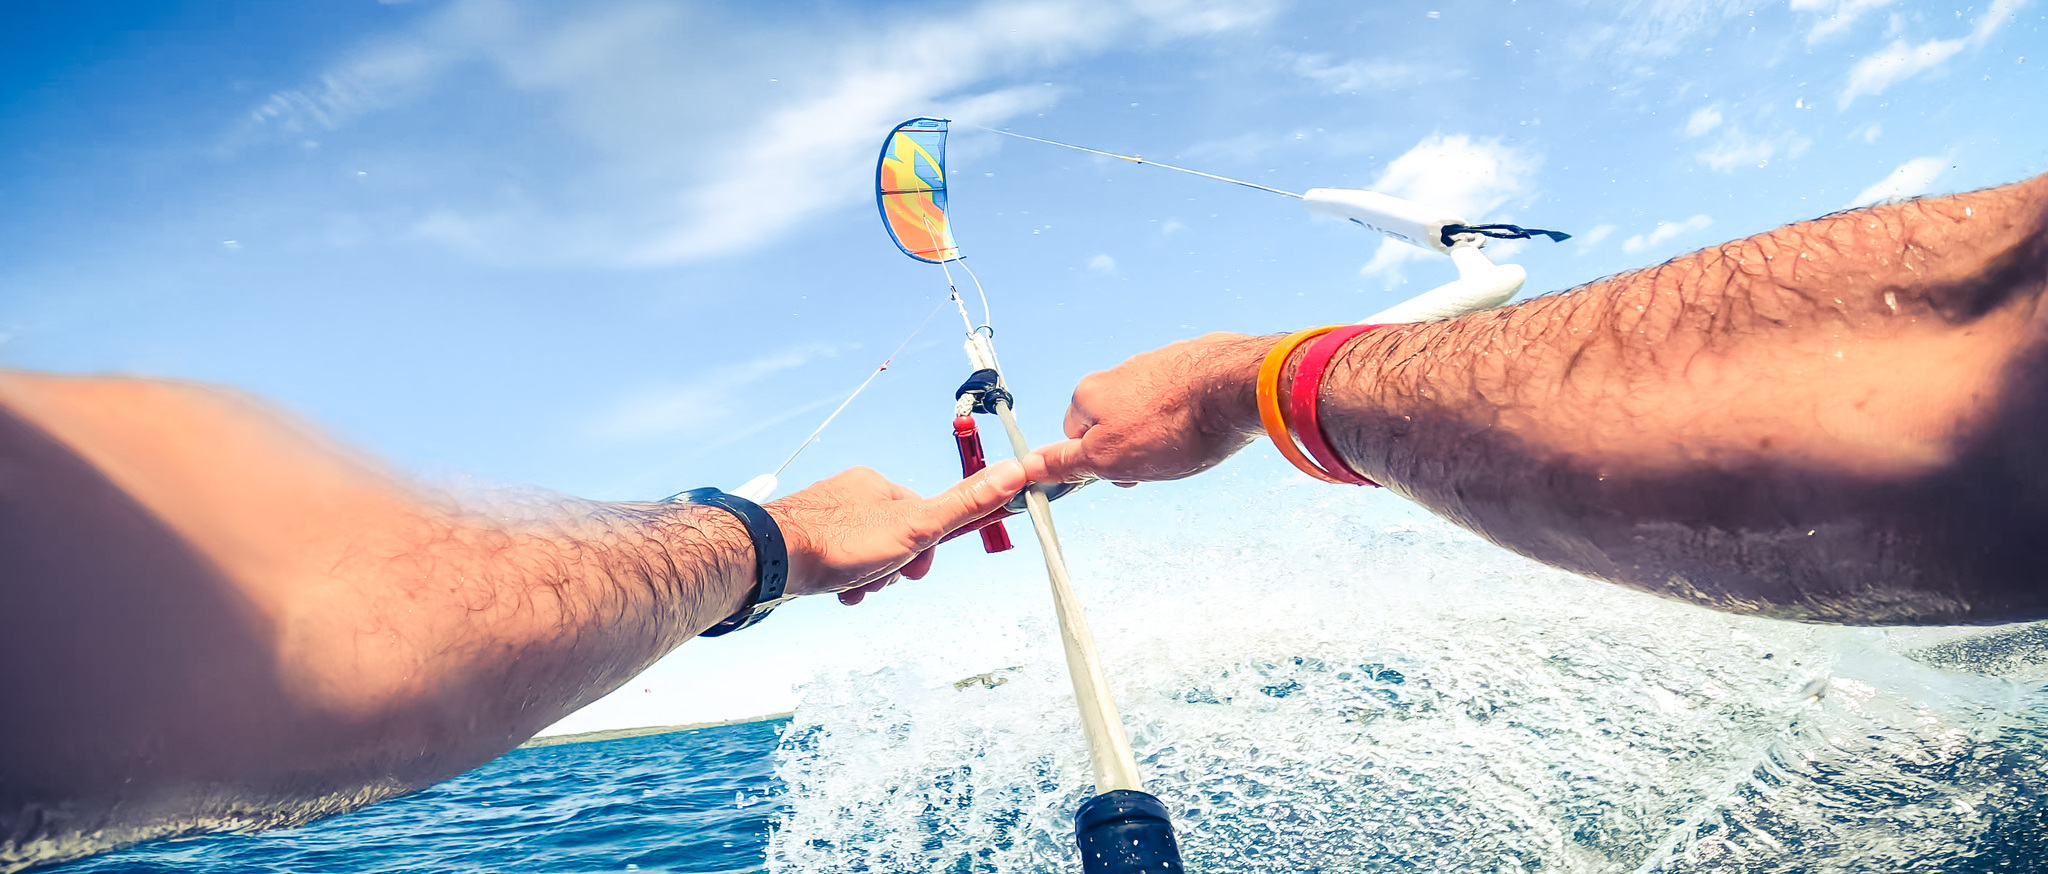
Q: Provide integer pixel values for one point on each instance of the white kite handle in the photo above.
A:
(1481, 284)
(1404, 220)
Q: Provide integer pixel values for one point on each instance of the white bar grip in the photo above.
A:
(1401, 219)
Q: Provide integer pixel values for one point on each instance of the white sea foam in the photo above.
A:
(1326, 689)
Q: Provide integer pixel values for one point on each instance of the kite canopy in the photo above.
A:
(910, 187)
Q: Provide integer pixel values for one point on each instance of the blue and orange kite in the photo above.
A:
(910, 188)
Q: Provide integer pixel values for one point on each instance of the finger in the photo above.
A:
(856, 594)
(1078, 422)
(968, 500)
(1058, 463)
(920, 565)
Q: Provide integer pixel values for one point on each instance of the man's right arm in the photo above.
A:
(212, 616)
(1835, 421)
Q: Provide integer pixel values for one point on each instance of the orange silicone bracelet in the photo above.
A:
(1270, 414)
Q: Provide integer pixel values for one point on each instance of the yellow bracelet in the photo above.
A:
(1270, 414)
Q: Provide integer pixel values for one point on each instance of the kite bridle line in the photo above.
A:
(953, 291)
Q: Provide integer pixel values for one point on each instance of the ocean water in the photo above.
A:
(1409, 698)
(697, 802)
(1311, 686)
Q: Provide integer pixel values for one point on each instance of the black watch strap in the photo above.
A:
(771, 556)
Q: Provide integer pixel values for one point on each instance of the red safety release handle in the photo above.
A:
(994, 537)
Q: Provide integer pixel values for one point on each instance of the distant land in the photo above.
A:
(643, 731)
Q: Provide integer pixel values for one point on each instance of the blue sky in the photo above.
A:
(618, 249)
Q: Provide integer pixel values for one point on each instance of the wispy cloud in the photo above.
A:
(1664, 233)
(1910, 179)
(1102, 264)
(1593, 236)
(1903, 60)
(1702, 120)
(1473, 178)
(1834, 16)
(375, 77)
(1737, 147)
(1894, 63)
(699, 406)
(663, 177)
(1353, 76)
(1657, 28)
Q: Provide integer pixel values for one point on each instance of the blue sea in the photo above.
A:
(698, 802)
(1406, 700)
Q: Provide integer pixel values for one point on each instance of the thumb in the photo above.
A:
(970, 499)
(1061, 462)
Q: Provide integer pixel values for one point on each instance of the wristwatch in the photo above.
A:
(771, 556)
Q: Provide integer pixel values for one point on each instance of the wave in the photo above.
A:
(1314, 685)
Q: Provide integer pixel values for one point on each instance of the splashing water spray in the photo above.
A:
(1122, 829)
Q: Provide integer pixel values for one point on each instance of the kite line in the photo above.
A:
(856, 392)
(1136, 159)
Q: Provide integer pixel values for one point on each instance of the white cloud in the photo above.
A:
(1703, 119)
(1834, 16)
(2001, 12)
(699, 406)
(1903, 60)
(1468, 177)
(661, 178)
(1736, 147)
(1657, 28)
(1593, 236)
(1900, 60)
(1664, 232)
(1910, 179)
(1102, 264)
(375, 78)
(1362, 75)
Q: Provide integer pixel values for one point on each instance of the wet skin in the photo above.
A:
(1837, 421)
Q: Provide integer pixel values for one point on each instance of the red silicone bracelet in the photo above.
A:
(1305, 401)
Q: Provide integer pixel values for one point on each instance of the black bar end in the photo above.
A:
(1126, 832)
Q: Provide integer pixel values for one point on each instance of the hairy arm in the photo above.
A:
(212, 617)
(1835, 421)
